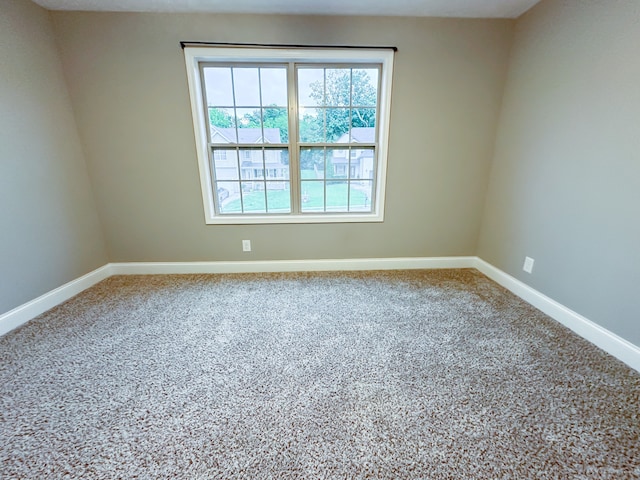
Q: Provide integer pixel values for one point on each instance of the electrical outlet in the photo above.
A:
(528, 264)
(246, 245)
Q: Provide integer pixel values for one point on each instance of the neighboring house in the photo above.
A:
(357, 162)
(254, 169)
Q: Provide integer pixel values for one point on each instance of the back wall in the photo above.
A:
(127, 81)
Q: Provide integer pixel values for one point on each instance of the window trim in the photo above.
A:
(199, 54)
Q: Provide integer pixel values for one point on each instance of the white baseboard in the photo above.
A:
(22, 314)
(601, 337)
(25, 312)
(402, 263)
(591, 331)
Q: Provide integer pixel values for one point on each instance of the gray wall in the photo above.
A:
(565, 185)
(50, 233)
(127, 81)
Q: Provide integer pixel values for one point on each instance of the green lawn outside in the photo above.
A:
(312, 199)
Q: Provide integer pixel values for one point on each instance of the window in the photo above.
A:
(277, 129)
(219, 155)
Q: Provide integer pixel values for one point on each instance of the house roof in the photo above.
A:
(359, 135)
(363, 134)
(246, 135)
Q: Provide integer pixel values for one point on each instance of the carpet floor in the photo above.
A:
(424, 374)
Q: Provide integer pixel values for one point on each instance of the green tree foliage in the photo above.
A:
(220, 118)
(312, 159)
(277, 118)
(339, 85)
(273, 117)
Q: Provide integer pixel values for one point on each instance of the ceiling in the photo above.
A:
(421, 8)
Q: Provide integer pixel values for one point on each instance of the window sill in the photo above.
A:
(304, 219)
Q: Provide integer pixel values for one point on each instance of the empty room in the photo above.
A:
(303, 239)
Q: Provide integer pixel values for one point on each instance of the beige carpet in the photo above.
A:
(391, 375)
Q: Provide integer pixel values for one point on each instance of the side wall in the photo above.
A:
(128, 85)
(48, 218)
(565, 184)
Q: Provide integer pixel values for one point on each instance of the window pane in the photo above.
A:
(218, 86)
(228, 197)
(225, 164)
(360, 193)
(361, 163)
(276, 125)
(276, 163)
(274, 86)
(365, 87)
(337, 125)
(337, 162)
(364, 118)
(222, 125)
(338, 87)
(311, 125)
(312, 196)
(246, 87)
(249, 128)
(312, 163)
(337, 194)
(253, 197)
(278, 197)
(310, 87)
(249, 125)
(251, 164)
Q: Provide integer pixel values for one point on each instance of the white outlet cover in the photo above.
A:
(528, 264)
(246, 245)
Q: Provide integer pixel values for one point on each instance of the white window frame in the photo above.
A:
(352, 56)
